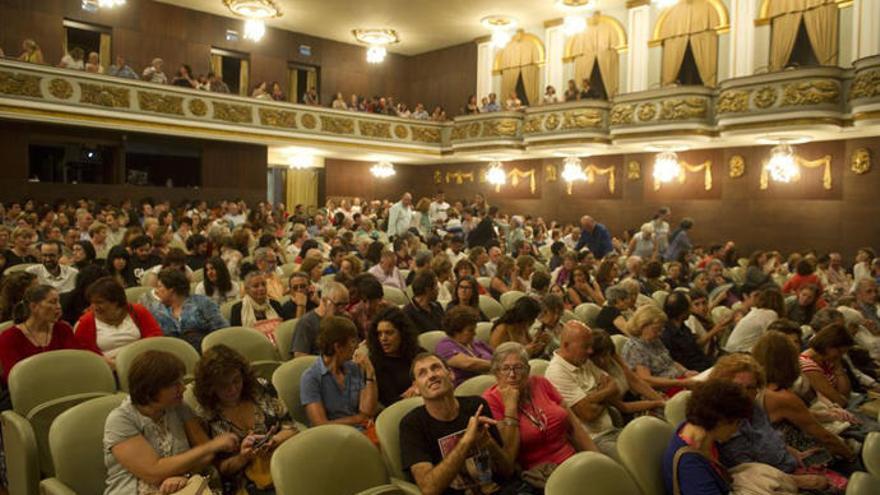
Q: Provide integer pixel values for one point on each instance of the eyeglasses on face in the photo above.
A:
(517, 369)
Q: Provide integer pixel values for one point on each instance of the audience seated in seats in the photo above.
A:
(645, 353)
(386, 270)
(643, 244)
(31, 52)
(12, 289)
(777, 353)
(50, 272)
(311, 97)
(701, 320)
(339, 103)
(634, 395)
(217, 283)
(536, 427)
(611, 317)
(73, 59)
(184, 77)
(805, 274)
(472, 107)
(491, 105)
(216, 84)
(514, 326)
(547, 327)
(304, 296)
(392, 342)
(337, 390)
(465, 355)
(769, 306)
(572, 93)
(682, 344)
(804, 305)
(112, 322)
(506, 278)
(233, 401)
(467, 294)
(261, 91)
(450, 445)
(277, 92)
(153, 73)
(256, 309)
(75, 302)
(585, 388)
(424, 310)
(179, 314)
(38, 328)
(333, 301)
(582, 288)
(691, 464)
(442, 269)
(512, 103)
(149, 438)
(266, 261)
(175, 259)
(83, 254)
(368, 293)
(142, 256)
(866, 304)
(822, 363)
(20, 252)
(550, 96)
(121, 69)
(756, 440)
(93, 64)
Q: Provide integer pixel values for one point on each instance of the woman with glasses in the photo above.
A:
(467, 294)
(537, 428)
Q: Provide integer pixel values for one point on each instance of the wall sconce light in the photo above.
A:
(382, 170)
(666, 167)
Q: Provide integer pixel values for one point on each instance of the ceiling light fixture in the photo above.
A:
(502, 29)
(255, 13)
(782, 166)
(382, 170)
(496, 175)
(667, 167)
(572, 171)
(254, 29)
(109, 4)
(574, 24)
(376, 41)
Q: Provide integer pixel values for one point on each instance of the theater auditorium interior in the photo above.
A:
(457, 247)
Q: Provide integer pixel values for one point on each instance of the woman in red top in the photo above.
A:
(38, 328)
(112, 322)
(533, 421)
(805, 275)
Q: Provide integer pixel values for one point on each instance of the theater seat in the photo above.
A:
(871, 453)
(198, 276)
(226, 309)
(538, 367)
(485, 282)
(660, 296)
(490, 307)
(41, 387)
(327, 460)
(134, 294)
(484, 331)
(6, 325)
(590, 472)
(568, 315)
(286, 382)
(250, 343)
(641, 445)
(676, 407)
(861, 483)
(179, 347)
(475, 385)
(395, 296)
(587, 313)
(720, 313)
(429, 340)
(388, 431)
(509, 298)
(284, 338)
(288, 269)
(17, 268)
(619, 340)
(76, 441)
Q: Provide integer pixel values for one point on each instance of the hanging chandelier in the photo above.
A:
(382, 170)
(255, 13)
(496, 175)
(572, 171)
(667, 167)
(502, 29)
(782, 166)
(109, 4)
(376, 40)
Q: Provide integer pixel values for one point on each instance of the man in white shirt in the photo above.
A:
(437, 209)
(495, 254)
(233, 214)
(386, 270)
(400, 216)
(585, 388)
(62, 278)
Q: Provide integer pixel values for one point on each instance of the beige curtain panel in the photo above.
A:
(521, 56)
(531, 76)
(302, 188)
(694, 21)
(597, 42)
(821, 21)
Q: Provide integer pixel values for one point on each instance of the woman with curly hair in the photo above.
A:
(233, 401)
(393, 343)
(12, 290)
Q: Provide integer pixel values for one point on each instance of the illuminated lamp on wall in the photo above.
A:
(782, 166)
(667, 167)
(382, 170)
(572, 171)
(496, 174)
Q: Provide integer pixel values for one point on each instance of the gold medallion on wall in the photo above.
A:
(736, 166)
(633, 170)
(308, 121)
(765, 97)
(860, 162)
(60, 88)
(198, 107)
(401, 132)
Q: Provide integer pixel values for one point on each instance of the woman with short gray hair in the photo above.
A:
(611, 319)
(533, 421)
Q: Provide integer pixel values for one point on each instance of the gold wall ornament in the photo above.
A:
(438, 177)
(592, 171)
(459, 177)
(810, 93)
(860, 163)
(683, 108)
(237, 114)
(277, 118)
(705, 168)
(765, 97)
(500, 128)
(401, 132)
(308, 121)
(736, 166)
(198, 107)
(20, 84)
(865, 85)
(474, 130)
(533, 125)
(633, 170)
(551, 122)
(459, 132)
(516, 175)
(60, 88)
(374, 129)
(425, 134)
(622, 114)
(103, 95)
(550, 173)
(733, 101)
(824, 162)
(581, 119)
(159, 103)
(647, 111)
(337, 125)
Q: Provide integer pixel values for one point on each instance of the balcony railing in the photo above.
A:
(819, 97)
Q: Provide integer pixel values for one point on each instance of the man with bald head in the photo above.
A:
(585, 388)
(400, 216)
(595, 237)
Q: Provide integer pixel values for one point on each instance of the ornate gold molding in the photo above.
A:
(60, 88)
(824, 162)
(277, 118)
(551, 123)
(16, 84)
(159, 103)
(308, 121)
(705, 168)
(647, 112)
(736, 166)
(813, 92)
(733, 101)
(198, 107)
(551, 173)
(683, 108)
(500, 128)
(633, 170)
(860, 163)
(374, 129)
(532, 124)
(592, 171)
(765, 97)
(865, 85)
(581, 119)
(104, 95)
(622, 114)
(337, 125)
(401, 132)
(459, 177)
(237, 114)
(425, 134)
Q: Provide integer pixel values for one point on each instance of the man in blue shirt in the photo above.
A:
(595, 237)
(493, 105)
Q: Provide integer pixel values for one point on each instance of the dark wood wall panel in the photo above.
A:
(793, 217)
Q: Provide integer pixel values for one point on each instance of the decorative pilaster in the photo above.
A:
(742, 41)
(485, 63)
(554, 42)
(866, 28)
(639, 19)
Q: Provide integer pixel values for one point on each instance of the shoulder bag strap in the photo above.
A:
(687, 449)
